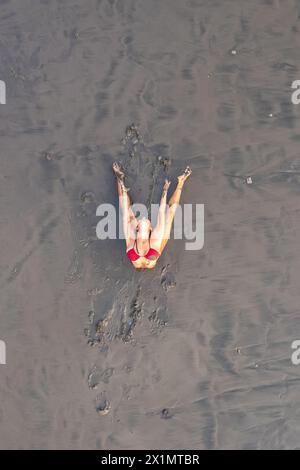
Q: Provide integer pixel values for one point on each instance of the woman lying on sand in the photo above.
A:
(144, 245)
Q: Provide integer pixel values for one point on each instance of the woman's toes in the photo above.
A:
(118, 171)
(187, 172)
(167, 185)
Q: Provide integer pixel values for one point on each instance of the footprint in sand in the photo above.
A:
(167, 278)
(87, 197)
(96, 376)
(165, 414)
(103, 406)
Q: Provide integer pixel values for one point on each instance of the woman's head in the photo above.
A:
(143, 228)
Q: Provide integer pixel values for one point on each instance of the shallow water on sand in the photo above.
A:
(195, 354)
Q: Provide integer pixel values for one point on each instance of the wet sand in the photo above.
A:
(195, 354)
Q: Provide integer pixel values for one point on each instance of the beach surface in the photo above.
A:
(195, 354)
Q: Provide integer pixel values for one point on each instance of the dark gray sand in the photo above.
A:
(195, 354)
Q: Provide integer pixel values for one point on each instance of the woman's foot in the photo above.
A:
(120, 176)
(118, 171)
(185, 175)
(166, 185)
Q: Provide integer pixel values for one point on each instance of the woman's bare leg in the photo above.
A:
(120, 176)
(173, 204)
(158, 232)
(129, 219)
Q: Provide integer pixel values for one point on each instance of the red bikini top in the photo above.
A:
(152, 254)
